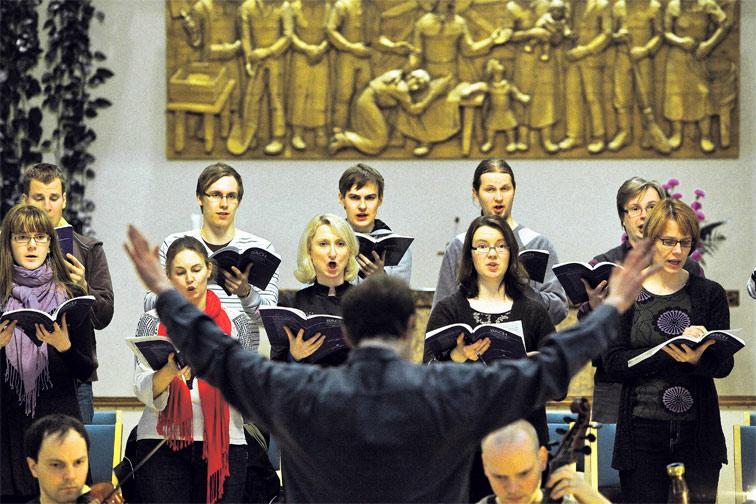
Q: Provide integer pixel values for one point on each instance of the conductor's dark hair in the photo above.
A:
(51, 425)
(379, 307)
(492, 165)
(515, 279)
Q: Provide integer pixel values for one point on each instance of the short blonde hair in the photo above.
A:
(305, 271)
(672, 209)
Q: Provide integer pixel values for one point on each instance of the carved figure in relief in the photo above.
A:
(346, 31)
(723, 68)
(483, 18)
(555, 22)
(692, 28)
(638, 33)
(393, 33)
(592, 25)
(307, 103)
(439, 37)
(371, 123)
(499, 114)
(536, 78)
(210, 31)
(266, 27)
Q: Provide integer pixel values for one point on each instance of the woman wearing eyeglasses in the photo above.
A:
(491, 290)
(669, 410)
(636, 197)
(36, 380)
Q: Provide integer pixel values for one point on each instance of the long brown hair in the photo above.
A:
(29, 219)
(515, 279)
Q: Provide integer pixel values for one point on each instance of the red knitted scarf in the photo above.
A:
(175, 421)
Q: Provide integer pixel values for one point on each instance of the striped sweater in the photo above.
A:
(256, 298)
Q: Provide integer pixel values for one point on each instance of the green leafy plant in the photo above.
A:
(20, 119)
(72, 74)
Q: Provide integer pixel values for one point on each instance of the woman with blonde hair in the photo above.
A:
(669, 409)
(35, 380)
(326, 259)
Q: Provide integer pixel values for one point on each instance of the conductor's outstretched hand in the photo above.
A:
(625, 283)
(146, 262)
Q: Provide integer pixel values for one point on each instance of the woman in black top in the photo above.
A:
(669, 410)
(327, 259)
(492, 283)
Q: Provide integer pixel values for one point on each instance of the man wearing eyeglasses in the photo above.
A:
(44, 186)
(636, 197)
(219, 193)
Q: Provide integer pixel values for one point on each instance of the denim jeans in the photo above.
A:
(181, 476)
(657, 443)
(86, 401)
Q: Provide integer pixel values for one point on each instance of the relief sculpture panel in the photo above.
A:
(319, 79)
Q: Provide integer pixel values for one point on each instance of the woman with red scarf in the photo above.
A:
(35, 380)
(205, 457)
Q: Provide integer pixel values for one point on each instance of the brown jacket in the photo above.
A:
(91, 254)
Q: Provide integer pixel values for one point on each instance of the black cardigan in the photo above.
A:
(708, 308)
(617, 256)
(455, 309)
(313, 300)
(536, 325)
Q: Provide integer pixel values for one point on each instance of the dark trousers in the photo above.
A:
(86, 401)
(657, 443)
(181, 476)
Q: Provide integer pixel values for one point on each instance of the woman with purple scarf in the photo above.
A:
(34, 380)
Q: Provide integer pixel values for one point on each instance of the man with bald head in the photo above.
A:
(513, 462)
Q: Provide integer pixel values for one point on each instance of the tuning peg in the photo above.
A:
(587, 450)
(591, 438)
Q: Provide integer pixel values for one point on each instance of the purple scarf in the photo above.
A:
(26, 371)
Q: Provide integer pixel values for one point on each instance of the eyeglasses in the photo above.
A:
(482, 248)
(216, 197)
(635, 210)
(671, 242)
(23, 239)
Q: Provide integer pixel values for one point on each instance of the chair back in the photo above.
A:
(105, 446)
(607, 475)
(744, 444)
(750, 418)
(560, 417)
(104, 417)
